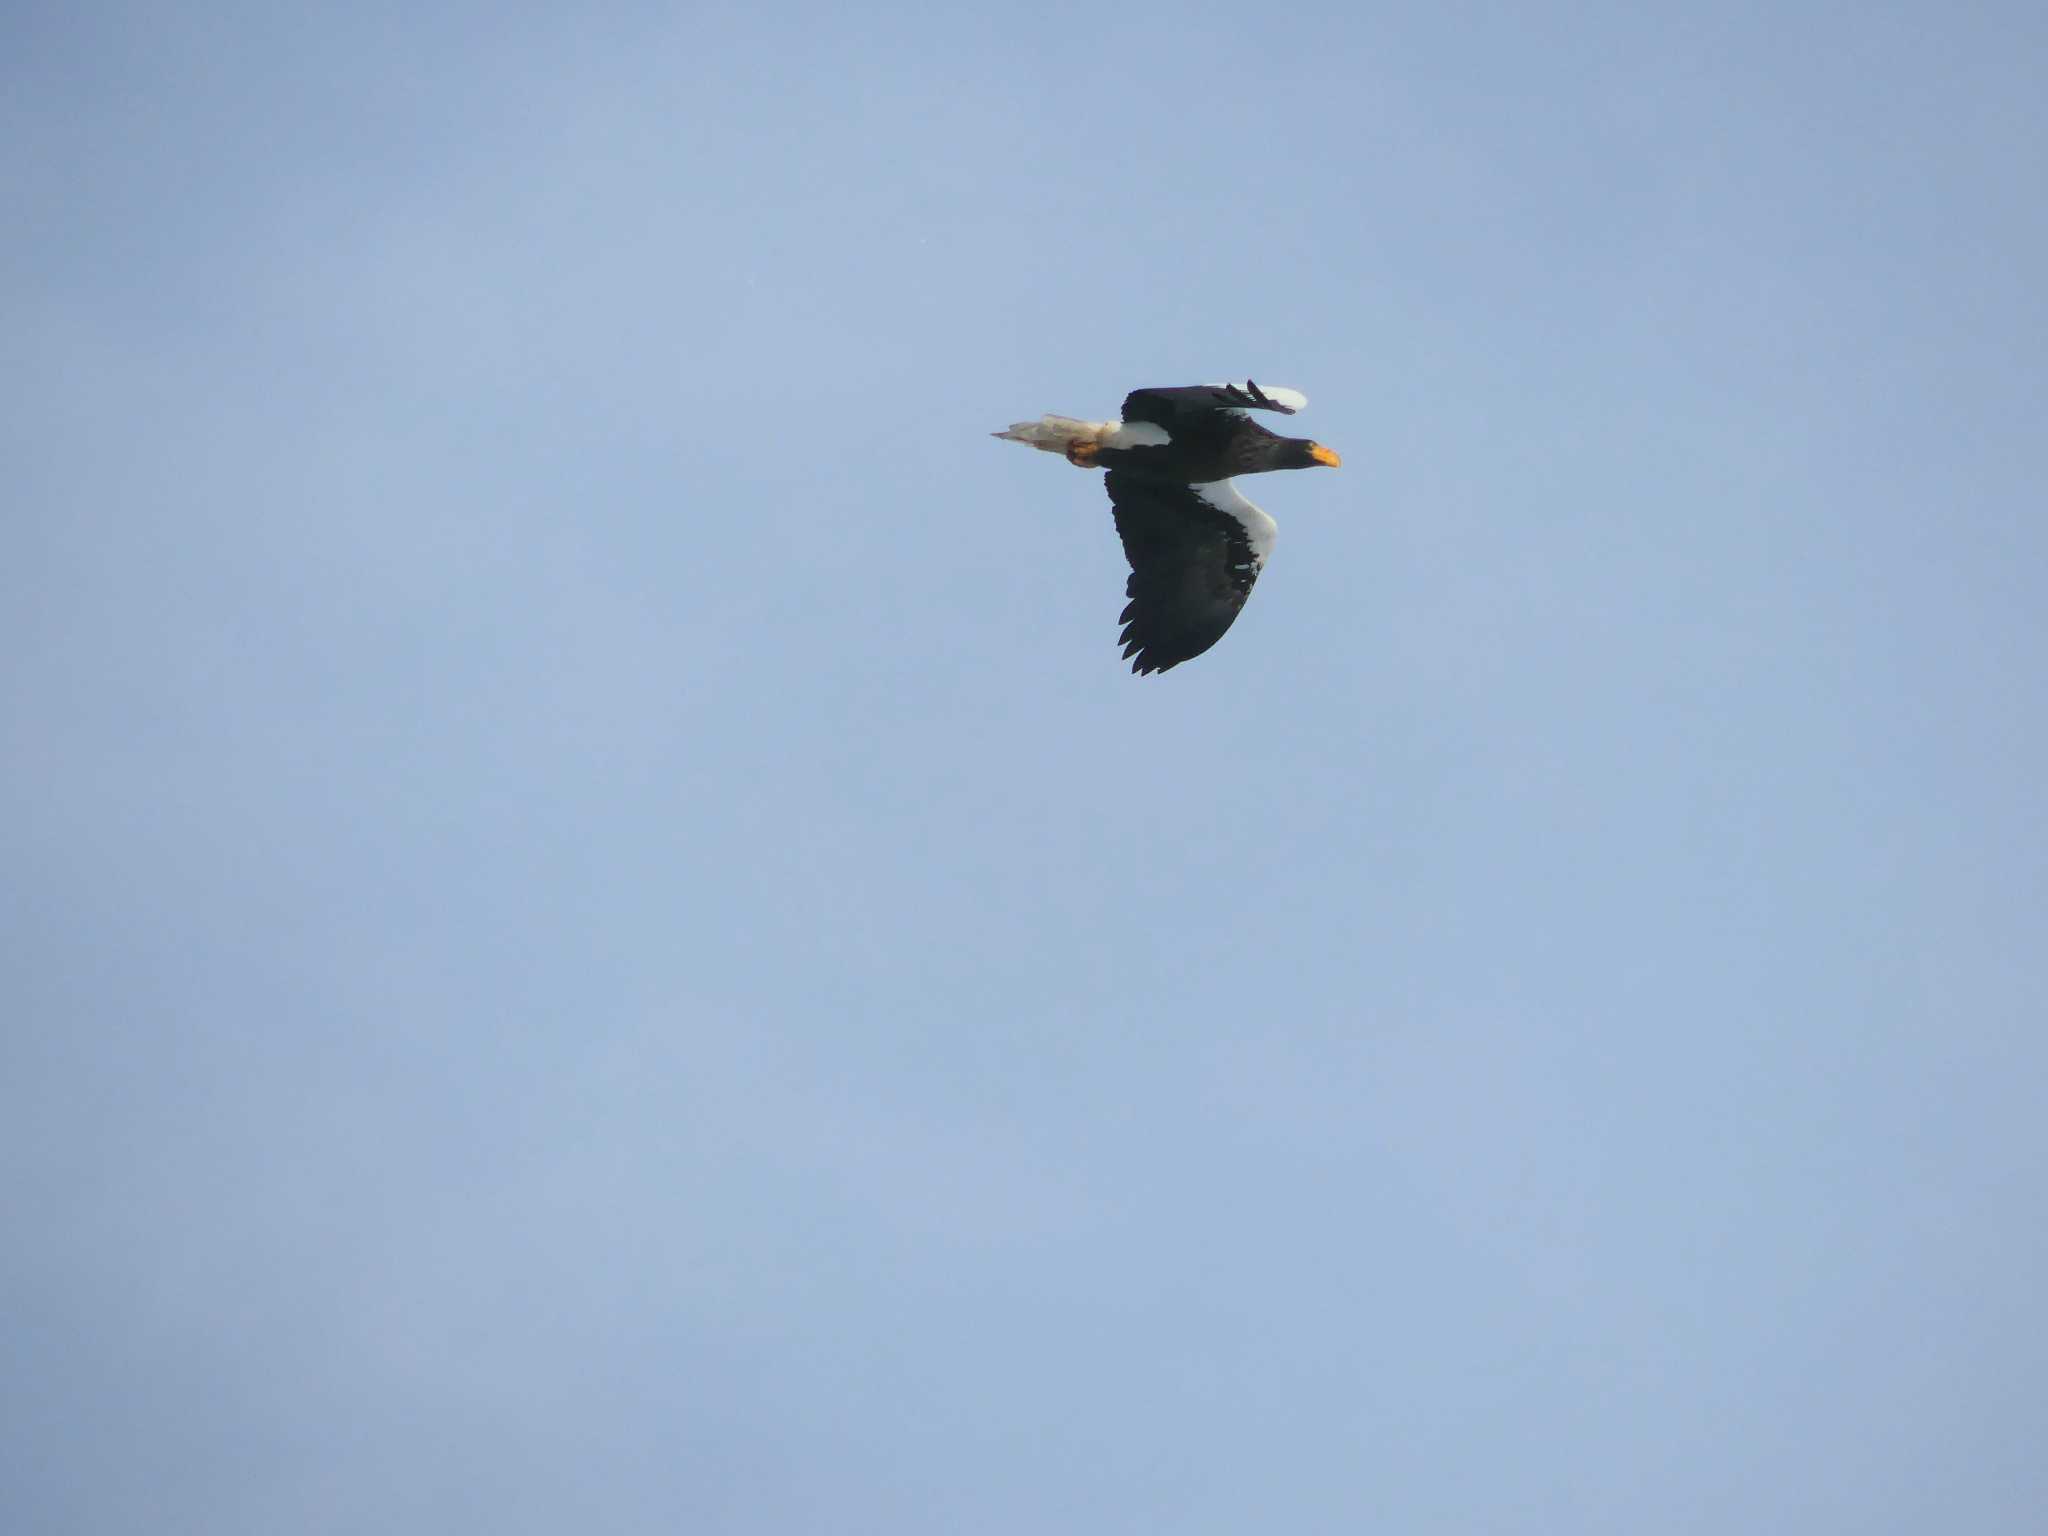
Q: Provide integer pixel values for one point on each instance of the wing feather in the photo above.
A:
(1195, 551)
(1165, 405)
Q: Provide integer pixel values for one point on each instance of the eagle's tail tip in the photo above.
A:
(1053, 434)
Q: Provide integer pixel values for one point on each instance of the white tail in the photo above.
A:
(1056, 434)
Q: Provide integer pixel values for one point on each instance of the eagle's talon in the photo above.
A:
(1082, 455)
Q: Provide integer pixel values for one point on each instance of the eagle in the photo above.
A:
(1195, 544)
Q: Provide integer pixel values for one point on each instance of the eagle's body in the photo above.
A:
(1195, 545)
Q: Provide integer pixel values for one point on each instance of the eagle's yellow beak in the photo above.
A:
(1323, 455)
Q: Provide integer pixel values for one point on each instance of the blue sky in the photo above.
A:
(599, 940)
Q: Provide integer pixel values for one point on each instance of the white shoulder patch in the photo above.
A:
(1137, 434)
(1224, 496)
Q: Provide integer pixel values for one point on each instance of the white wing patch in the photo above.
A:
(1260, 529)
(1136, 434)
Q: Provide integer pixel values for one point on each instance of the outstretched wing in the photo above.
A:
(1195, 551)
(1165, 406)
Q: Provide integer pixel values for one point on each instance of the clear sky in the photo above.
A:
(596, 939)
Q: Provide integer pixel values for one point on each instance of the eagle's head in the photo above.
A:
(1300, 453)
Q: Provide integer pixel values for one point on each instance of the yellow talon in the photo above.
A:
(1082, 454)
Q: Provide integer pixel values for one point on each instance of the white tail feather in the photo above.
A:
(1055, 434)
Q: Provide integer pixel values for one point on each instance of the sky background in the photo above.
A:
(595, 938)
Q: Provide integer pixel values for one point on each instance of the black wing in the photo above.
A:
(1192, 567)
(1163, 406)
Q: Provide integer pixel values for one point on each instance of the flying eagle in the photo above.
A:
(1195, 544)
